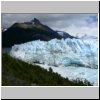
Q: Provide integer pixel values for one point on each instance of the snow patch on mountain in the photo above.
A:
(60, 33)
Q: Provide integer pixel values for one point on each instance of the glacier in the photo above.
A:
(72, 72)
(65, 53)
(59, 52)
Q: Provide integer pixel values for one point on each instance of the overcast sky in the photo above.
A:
(70, 23)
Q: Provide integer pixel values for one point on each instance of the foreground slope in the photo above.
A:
(19, 73)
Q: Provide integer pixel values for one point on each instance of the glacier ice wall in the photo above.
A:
(68, 52)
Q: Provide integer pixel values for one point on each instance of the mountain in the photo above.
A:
(27, 31)
(65, 35)
(88, 37)
(85, 36)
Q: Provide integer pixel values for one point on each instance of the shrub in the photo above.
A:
(50, 70)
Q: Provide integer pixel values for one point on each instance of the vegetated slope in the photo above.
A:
(19, 73)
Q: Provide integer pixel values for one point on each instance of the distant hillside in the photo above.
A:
(19, 73)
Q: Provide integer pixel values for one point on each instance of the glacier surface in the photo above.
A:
(72, 72)
(78, 54)
(66, 52)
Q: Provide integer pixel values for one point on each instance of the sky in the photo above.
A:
(74, 24)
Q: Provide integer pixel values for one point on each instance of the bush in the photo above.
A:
(50, 70)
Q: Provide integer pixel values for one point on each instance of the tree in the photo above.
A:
(50, 70)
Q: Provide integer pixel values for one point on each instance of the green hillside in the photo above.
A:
(19, 73)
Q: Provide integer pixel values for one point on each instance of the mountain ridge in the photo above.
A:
(28, 31)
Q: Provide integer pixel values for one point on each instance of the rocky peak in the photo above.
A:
(35, 21)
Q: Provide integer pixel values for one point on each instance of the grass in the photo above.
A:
(19, 73)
